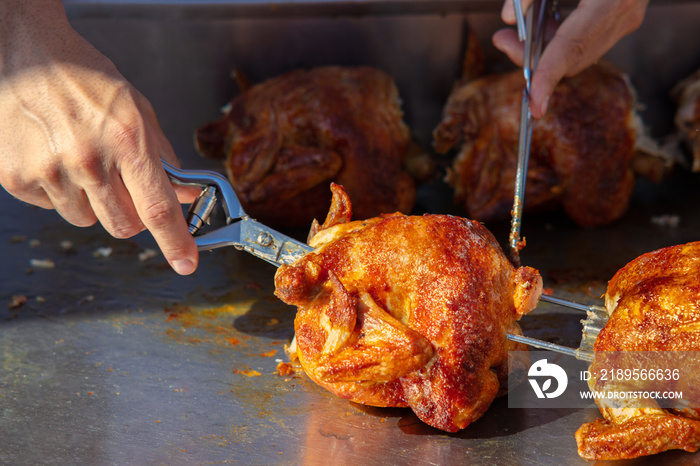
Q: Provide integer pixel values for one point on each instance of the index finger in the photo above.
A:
(158, 207)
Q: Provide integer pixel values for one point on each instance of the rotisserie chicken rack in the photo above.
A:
(246, 234)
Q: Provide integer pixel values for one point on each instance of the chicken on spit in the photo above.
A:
(399, 311)
(287, 138)
(581, 150)
(654, 306)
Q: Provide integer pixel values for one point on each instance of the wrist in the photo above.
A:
(31, 31)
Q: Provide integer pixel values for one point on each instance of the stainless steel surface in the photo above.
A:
(230, 205)
(117, 360)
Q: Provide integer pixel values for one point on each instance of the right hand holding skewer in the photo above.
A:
(589, 31)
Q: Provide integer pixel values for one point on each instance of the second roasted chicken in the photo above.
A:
(581, 153)
(399, 311)
(285, 139)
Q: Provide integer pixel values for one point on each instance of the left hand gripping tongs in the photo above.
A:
(240, 230)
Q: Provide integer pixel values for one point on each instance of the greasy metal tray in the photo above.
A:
(114, 359)
(117, 360)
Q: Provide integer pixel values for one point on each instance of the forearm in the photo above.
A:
(31, 30)
(77, 137)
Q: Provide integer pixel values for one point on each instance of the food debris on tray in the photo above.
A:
(17, 301)
(42, 263)
(666, 221)
(102, 252)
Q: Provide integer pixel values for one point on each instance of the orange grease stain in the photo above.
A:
(247, 373)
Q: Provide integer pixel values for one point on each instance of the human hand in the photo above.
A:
(591, 29)
(77, 137)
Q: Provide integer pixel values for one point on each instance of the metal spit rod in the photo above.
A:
(533, 38)
(596, 317)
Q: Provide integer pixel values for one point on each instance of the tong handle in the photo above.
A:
(240, 231)
(221, 188)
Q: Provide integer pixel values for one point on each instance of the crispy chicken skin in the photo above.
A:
(580, 154)
(286, 138)
(654, 305)
(399, 311)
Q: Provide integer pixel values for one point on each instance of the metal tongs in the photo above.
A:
(596, 317)
(246, 234)
(240, 231)
(531, 55)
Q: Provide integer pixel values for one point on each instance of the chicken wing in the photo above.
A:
(399, 311)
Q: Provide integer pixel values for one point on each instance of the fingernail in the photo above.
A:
(183, 266)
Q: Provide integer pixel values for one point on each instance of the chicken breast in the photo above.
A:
(399, 311)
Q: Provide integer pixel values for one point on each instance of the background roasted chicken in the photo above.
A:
(411, 311)
(687, 120)
(581, 153)
(654, 306)
(286, 139)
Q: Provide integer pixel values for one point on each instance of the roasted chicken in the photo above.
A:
(285, 139)
(398, 311)
(581, 153)
(654, 306)
(687, 96)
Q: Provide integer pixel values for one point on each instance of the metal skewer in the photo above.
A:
(571, 304)
(535, 343)
(533, 48)
(596, 317)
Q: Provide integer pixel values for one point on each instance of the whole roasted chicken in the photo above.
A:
(398, 311)
(581, 152)
(654, 306)
(687, 120)
(284, 140)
